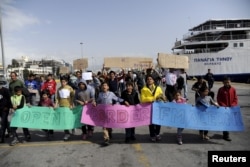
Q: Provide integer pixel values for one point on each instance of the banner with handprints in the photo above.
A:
(47, 118)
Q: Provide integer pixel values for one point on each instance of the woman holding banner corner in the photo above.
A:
(150, 93)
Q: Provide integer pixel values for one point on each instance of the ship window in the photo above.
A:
(235, 45)
(241, 44)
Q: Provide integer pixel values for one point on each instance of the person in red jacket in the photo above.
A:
(50, 85)
(227, 97)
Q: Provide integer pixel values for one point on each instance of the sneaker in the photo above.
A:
(73, 131)
(158, 138)
(227, 138)
(202, 136)
(1, 140)
(153, 139)
(90, 133)
(110, 135)
(84, 137)
(8, 135)
(14, 142)
(206, 137)
(127, 140)
(132, 138)
(179, 140)
(106, 142)
(48, 135)
(28, 138)
(66, 137)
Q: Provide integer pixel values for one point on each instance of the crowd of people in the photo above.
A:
(125, 88)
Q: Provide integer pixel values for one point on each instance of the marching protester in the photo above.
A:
(171, 79)
(5, 105)
(32, 87)
(18, 102)
(179, 100)
(209, 77)
(227, 97)
(50, 84)
(14, 81)
(150, 93)
(197, 85)
(182, 82)
(205, 101)
(130, 97)
(106, 97)
(45, 101)
(113, 82)
(83, 96)
(155, 74)
(65, 97)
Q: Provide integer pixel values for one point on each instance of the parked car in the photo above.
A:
(4, 83)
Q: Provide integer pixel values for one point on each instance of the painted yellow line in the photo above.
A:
(141, 156)
(54, 143)
(51, 143)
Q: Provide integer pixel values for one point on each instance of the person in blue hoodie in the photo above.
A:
(32, 86)
(84, 95)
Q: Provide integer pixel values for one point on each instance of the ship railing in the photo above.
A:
(203, 50)
(223, 26)
(218, 38)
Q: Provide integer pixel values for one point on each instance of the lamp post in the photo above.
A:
(81, 49)
(2, 46)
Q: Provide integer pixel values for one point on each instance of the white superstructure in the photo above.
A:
(220, 45)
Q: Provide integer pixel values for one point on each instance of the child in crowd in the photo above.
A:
(205, 101)
(18, 102)
(150, 93)
(106, 97)
(83, 96)
(130, 97)
(65, 97)
(180, 100)
(46, 102)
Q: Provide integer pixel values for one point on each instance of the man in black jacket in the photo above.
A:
(5, 105)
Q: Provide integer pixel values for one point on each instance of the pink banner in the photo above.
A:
(117, 116)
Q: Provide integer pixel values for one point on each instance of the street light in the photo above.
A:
(81, 49)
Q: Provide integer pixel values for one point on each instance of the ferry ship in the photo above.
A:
(222, 45)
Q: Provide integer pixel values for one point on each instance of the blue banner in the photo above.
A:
(202, 118)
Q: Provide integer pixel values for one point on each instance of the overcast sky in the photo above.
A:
(55, 28)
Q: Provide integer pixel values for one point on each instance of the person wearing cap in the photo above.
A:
(83, 96)
(65, 98)
(5, 105)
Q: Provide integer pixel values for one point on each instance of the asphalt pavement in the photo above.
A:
(141, 153)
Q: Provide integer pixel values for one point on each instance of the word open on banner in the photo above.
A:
(47, 118)
(117, 116)
(191, 117)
